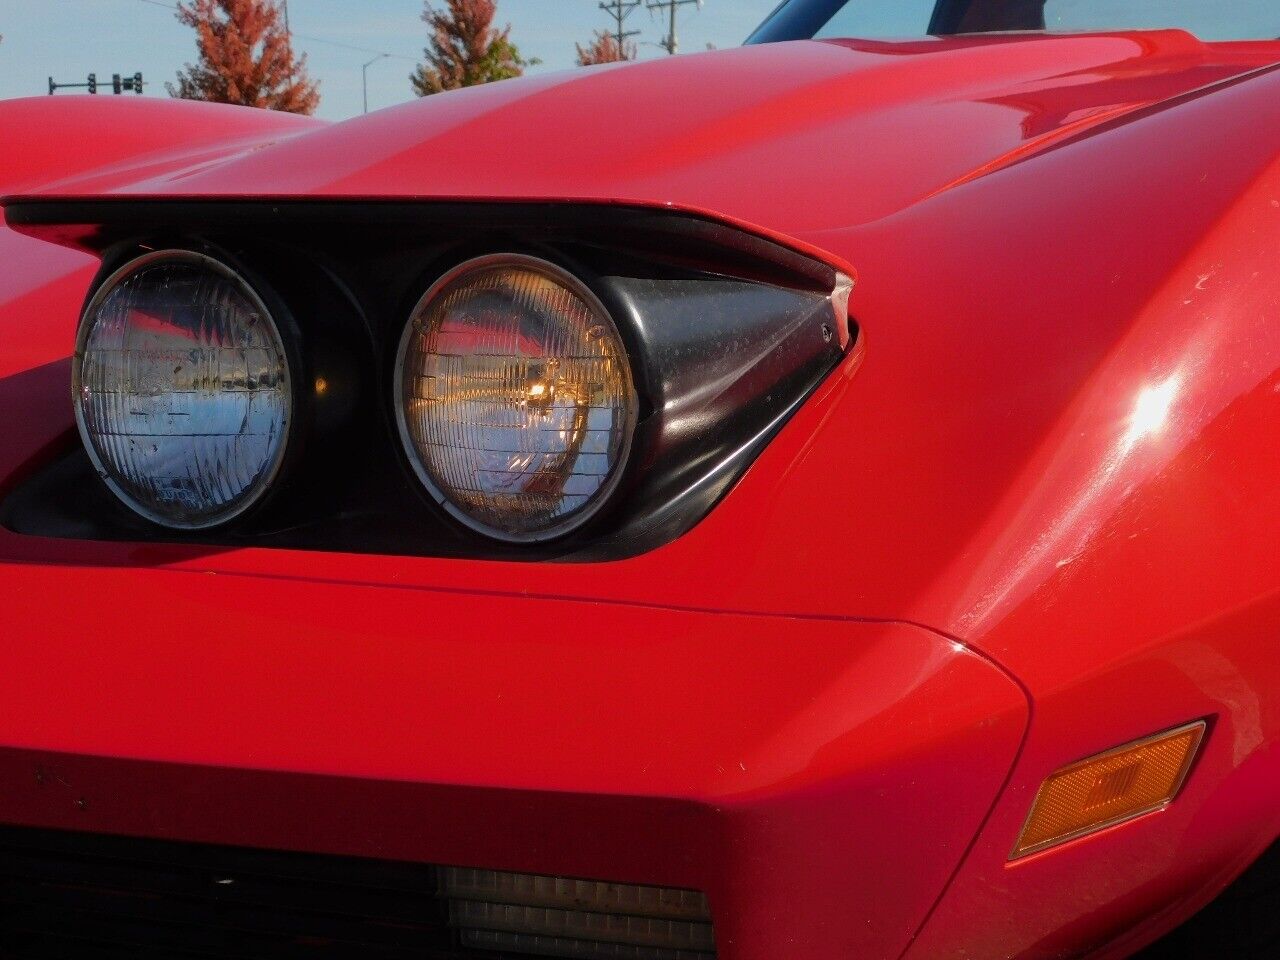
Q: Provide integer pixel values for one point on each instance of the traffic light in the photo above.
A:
(93, 83)
(121, 85)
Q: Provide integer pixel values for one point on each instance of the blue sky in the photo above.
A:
(69, 38)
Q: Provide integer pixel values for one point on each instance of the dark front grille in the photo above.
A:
(75, 895)
(84, 895)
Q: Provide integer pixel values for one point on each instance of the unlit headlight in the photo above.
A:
(514, 398)
(182, 389)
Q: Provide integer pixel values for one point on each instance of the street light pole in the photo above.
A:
(365, 74)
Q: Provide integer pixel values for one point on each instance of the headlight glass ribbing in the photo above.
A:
(515, 398)
(182, 389)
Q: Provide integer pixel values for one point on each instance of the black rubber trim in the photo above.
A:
(111, 221)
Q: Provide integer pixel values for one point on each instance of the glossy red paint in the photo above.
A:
(583, 739)
(853, 126)
(1059, 450)
(49, 142)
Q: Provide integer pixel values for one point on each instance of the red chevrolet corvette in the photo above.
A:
(813, 501)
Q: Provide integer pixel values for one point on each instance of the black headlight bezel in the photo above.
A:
(728, 334)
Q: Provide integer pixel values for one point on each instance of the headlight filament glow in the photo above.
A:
(515, 398)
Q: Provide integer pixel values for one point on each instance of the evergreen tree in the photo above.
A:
(465, 49)
(246, 58)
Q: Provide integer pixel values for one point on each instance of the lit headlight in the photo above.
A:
(182, 389)
(514, 398)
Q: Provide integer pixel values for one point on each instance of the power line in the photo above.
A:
(308, 38)
(671, 43)
(352, 46)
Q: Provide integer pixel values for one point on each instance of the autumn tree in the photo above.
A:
(246, 58)
(465, 48)
(604, 48)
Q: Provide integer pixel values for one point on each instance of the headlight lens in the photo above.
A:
(182, 390)
(515, 398)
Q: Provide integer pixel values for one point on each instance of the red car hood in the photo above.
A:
(794, 138)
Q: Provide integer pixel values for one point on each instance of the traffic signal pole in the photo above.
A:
(119, 84)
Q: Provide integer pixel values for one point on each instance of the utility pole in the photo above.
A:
(284, 6)
(620, 10)
(671, 43)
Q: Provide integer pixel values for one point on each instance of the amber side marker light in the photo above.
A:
(1108, 789)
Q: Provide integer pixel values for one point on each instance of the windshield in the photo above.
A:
(895, 19)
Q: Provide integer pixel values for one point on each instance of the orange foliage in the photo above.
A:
(605, 49)
(246, 58)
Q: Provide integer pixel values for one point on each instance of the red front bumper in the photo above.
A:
(818, 778)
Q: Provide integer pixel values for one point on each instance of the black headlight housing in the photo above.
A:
(727, 334)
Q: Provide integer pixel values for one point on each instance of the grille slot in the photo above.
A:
(583, 919)
(76, 895)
